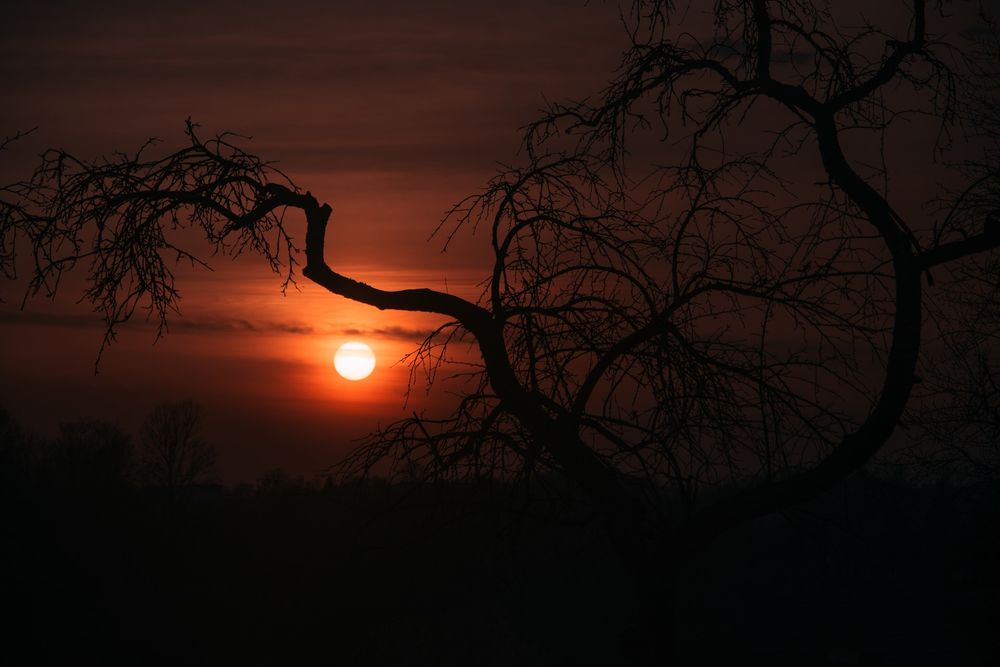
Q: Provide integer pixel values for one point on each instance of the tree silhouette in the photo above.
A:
(90, 456)
(16, 455)
(173, 454)
(696, 331)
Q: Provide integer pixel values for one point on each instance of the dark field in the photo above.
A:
(98, 570)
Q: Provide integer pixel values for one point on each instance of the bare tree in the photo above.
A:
(173, 454)
(91, 456)
(696, 332)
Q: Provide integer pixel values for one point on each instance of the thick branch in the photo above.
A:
(988, 240)
(468, 314)
(550, 433)
(858, 447)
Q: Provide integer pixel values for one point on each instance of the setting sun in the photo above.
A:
(354, 361)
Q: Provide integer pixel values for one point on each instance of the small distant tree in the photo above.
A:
(90, 455)
(173, 452)
(10, 430)
(15, 454)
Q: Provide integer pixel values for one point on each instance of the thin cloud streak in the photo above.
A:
(221, 324)
(393, 333)
(225, 325)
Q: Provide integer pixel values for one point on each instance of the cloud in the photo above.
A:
(393, 332)
(227, 324)
(214, 324)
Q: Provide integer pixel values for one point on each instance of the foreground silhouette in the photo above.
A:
(97, 571)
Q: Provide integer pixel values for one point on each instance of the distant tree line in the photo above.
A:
(169, 453)
(102, 565)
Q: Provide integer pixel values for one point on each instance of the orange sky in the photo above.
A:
(389, 111)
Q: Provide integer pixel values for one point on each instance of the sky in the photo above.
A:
(390, 111)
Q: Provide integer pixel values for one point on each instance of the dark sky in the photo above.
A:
(389, 111)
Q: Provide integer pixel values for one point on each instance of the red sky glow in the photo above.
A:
(389, 111)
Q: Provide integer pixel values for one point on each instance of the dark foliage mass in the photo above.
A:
(99, 570)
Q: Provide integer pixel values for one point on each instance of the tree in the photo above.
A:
(16, 455)
(695, 332)
(173, 453)
(89, 458)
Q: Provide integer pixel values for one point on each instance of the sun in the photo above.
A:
(354, 361)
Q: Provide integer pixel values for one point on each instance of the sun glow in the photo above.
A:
(354, 361)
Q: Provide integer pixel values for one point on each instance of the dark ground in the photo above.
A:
(97, 571)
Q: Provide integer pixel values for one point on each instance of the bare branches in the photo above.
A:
(124, 216)
(686, 324)
(173, 453)
(13, 216)
(739, 307)
(635, 302)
